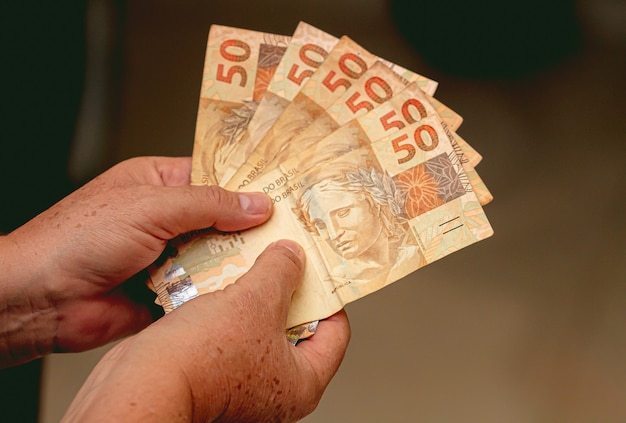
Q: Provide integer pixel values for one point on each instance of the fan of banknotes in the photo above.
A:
(364, 166)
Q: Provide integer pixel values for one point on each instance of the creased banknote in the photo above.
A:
(377, 85)
(307, 49)
(238, 67)
(340, 140)
(408, 106)
(409, 189)
(344, 65)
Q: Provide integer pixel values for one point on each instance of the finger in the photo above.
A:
(154, 170)
(275, 275)
(176, 210)
(326, 348)
(103, 319)
(173, 171)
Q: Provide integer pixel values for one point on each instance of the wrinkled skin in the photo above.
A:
(65, 285)
(234, 340)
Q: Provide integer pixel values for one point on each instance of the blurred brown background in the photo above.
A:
(527, 326)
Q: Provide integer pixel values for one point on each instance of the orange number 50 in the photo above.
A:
(226, 51)
(424, 137)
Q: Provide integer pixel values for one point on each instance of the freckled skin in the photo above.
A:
(265, 380)
(64, 274)
(86, 255)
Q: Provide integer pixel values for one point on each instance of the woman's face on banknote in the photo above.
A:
(345, 220)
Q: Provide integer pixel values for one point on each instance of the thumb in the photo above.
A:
(176, 210)
(274, 277)
(325, 350)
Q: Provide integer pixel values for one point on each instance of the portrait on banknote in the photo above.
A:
(358, 212)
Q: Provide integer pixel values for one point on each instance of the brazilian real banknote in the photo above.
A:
(340, 139)
(414, 200)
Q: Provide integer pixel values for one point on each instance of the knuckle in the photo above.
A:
(279, 268)
(218, 196)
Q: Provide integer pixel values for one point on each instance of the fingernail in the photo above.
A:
(254, 202)
(293, 246)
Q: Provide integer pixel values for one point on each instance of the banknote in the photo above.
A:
(307, 49)
(239, 65)
(320, 142)
(409, 106)
(407, 188)
(343, 66)
(377, 85)
(255, 86)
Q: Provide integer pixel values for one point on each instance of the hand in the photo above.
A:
(222, 356)
(63, 272)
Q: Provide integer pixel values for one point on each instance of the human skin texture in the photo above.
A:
(64, 287)
(199, 363)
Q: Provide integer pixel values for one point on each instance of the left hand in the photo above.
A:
(64, 271)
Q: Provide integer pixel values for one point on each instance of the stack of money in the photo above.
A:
(364, 166)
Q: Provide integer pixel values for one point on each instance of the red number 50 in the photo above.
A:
(312, 56)
(226, 52)
(424, 137)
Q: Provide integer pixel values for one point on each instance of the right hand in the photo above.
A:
(222, 356)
